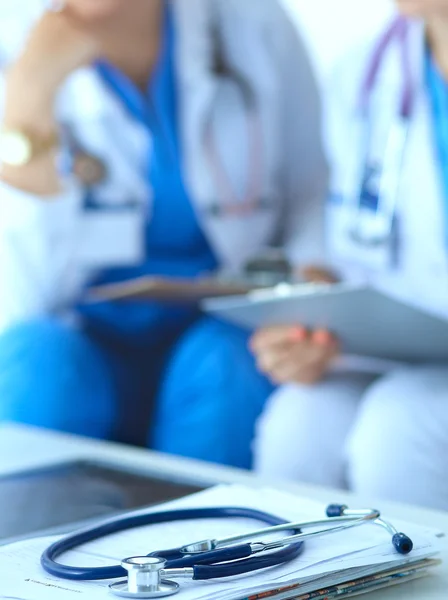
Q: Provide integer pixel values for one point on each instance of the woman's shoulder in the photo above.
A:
(269, 18)
(16, 20)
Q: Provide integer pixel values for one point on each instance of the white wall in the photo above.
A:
(332, 27)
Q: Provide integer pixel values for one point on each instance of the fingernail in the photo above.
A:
(322, 337)
(298, 334)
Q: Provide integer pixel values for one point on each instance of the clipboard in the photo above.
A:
(366, 321)
(172, 290)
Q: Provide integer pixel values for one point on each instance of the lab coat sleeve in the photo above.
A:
(37, 251)
(305, 172)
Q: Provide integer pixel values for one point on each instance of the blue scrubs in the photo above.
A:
(143, 373)
(175, 243)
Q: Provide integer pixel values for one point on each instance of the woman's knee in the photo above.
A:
(209, 339)
(213, 354)
(211, 396)
(53, 376)
(399, 446)
(279, 445)
(302, 431)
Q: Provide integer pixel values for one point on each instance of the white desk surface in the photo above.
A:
(24, 448)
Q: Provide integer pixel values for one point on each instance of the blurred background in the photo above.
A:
(157, 154)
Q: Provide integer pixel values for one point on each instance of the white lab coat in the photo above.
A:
(421, 274)
(382, 435)
(50, 247)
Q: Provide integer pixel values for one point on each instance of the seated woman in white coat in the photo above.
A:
(167, 138)
(384, 435)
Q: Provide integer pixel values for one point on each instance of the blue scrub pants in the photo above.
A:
(196, 395)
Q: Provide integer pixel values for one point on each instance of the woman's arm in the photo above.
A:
(55, 48)
(38, 210)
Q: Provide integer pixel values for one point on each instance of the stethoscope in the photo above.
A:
(206, 559)
(373, 208)
(230, 203)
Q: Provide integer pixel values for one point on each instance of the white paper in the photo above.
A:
(22, 577)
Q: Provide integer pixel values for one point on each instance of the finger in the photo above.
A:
(316, 371)
(288, 367)
(322, 337)
(290, 372)
(306, 375)
(290, 358)
(316, 274)
(310, 352)
(259, 348)
(274, 336)
(294, 353)
(268, 361)
(270, 336)
(304, 365)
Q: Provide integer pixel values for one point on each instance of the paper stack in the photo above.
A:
(342, 564)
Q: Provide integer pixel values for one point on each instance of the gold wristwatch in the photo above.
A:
(19, 147)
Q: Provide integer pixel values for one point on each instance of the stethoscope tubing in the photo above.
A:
(397, 31)
(383, 216)
(236, 556)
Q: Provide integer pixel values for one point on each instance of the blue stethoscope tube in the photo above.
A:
(205, 565)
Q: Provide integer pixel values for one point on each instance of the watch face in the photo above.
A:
(15, 148)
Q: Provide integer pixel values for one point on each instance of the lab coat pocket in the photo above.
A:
(349, 237)
(111, 237)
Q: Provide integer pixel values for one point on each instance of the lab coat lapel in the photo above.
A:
(422, 275)
(196, 87)
(204, 95)
(89, 117)
(423, 203)
(95, 121)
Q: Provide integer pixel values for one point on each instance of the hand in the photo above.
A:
(293, 355)
(56, 47)
(317, 274)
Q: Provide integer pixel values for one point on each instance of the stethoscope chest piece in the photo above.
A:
(144, 579)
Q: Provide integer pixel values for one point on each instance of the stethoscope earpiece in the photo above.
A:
(402, 543)
(335, 510)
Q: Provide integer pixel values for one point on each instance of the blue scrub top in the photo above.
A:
(438, 95)
(175, 244)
